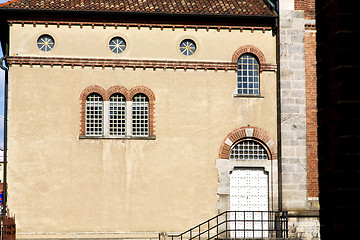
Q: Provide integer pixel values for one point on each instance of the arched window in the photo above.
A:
(117, 115)
(94, 115)
(140, 115)
(248, 75)
(248, 150)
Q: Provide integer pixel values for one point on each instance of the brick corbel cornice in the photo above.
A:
(128, 63)
(116, 25)
(120, 63)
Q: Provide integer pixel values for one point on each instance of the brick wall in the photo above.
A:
(311, 115)
(308, 6)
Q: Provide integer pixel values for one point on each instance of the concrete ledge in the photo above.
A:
(304, 213)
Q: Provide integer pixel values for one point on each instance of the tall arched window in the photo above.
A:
(140, 115)
(94, 115)
(248, 150)
(117, 115)
(248, 75)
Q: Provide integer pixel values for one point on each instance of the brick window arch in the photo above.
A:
(249, 49)
(119, 89)
(117, 112)
(248, 134)
(142, 89)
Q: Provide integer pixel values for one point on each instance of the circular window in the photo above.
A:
(45, 43)
(117, 45)
(187, 47)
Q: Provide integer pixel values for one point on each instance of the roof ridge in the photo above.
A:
(9, 2)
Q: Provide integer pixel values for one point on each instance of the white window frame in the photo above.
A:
(140, 120)
(96, 103)
(250, 72)
(118, 107)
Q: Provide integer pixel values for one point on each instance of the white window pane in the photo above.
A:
(248, 71)
(117, 115)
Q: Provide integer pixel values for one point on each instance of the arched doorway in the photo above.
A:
(247, 180)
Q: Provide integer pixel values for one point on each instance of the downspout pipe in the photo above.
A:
(4, 67)
(275, 8)
(279, 143)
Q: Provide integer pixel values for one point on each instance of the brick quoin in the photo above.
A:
(258, 135)
(128, 94)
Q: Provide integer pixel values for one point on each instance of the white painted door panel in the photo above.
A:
(249, 192)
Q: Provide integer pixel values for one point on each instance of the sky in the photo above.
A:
(2, 77)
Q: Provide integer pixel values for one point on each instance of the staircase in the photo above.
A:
(239, 225)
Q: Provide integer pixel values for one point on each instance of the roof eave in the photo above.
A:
(76, 12)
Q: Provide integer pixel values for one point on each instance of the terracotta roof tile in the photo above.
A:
(212, 7)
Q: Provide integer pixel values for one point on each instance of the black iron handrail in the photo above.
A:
(239, 224)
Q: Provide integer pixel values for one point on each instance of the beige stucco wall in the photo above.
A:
(59, 183)
(88, 42)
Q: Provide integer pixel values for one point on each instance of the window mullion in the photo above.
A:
(129, 118)
(106, 114)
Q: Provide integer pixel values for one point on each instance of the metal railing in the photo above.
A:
(240, 225)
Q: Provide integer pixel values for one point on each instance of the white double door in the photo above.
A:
(249, 192)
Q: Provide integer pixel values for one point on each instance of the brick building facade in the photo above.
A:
(147, 105)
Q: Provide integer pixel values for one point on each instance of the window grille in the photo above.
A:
(248, 150)
(187, 47)
(140, 115)
(117, 115)
(45, 43)
(117, 45)
(248, 75)
(94, 115)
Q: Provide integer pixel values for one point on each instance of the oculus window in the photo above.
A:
(187, 47)
(117, 45)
